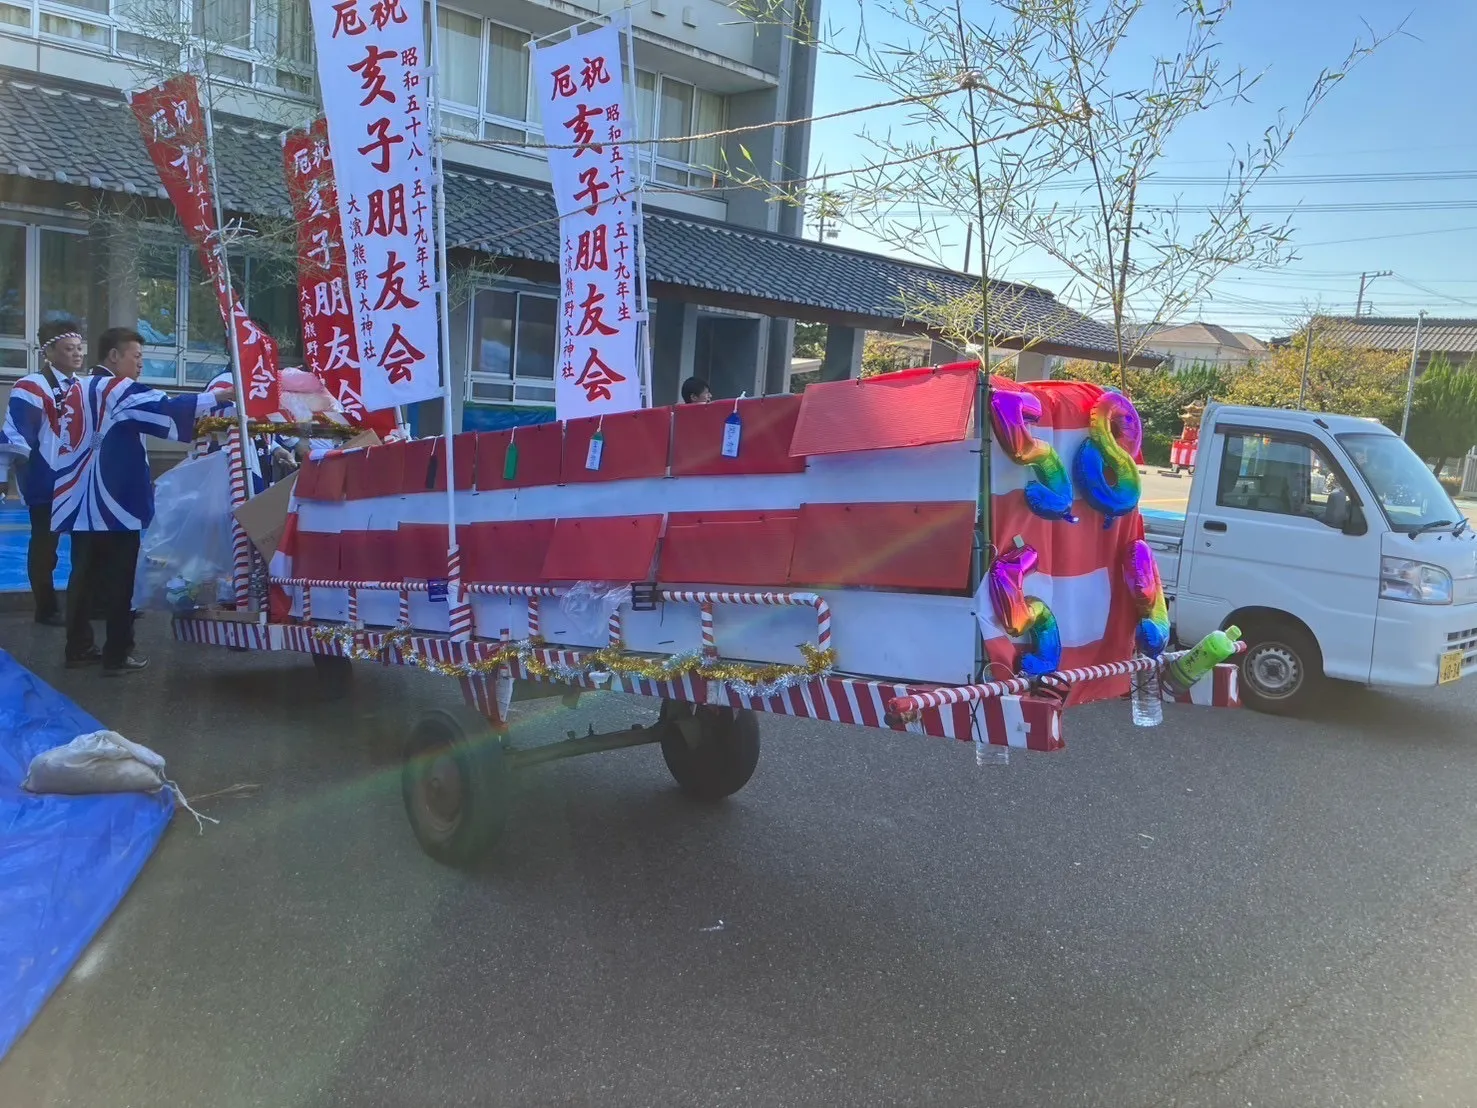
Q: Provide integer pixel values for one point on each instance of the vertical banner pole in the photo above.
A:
(460, 614)
(643, 304)
(240, 478)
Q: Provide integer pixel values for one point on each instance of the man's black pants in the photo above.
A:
(103, 566)
(41, 561)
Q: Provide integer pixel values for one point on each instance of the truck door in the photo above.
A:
(1259, 540)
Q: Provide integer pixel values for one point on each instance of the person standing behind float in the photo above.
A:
(696, 391)
(104, 495)
(32, 418)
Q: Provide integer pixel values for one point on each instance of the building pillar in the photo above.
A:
(733, 361)
(673, 347)
(843, 360)
(778, 356)
(1031, 366)
(942, 353)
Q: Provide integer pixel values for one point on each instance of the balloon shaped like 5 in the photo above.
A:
(1141, 575)
(1023, 615)
(1104, 467)
(1050, 494)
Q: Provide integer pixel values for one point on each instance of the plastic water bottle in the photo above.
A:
(988, 754)
(1200, 659)
(1148, 705)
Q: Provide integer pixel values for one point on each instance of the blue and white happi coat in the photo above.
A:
(102, 468)
(33, 418)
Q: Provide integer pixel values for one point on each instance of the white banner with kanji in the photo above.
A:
(584, 110)
(373, 75)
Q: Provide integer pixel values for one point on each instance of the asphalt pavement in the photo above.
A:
(1228, 910)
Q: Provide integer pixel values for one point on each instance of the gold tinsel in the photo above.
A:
(754, 680)
(212, 424)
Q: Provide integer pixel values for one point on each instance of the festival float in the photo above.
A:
(931, 552)
(1183, 450)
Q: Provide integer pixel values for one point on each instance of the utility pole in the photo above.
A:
(1307, 359)
(1364, 279)
(1415, 353)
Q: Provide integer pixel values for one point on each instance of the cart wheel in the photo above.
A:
(715, 754)
(455, 784)
(335, 675)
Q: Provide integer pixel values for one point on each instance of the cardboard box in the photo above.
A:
(263, 517)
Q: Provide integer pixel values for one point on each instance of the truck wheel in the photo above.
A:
(335, 675)
(455, 784)
(711, 752)
(1281, 669)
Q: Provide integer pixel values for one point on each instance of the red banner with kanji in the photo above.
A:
(330, 347)
(173, 125)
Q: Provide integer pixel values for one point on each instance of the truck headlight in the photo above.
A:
(1414, 582)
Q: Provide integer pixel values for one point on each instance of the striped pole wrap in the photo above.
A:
(615, 627)
(307, 602)
(706, 600)
(710, 641)
(958, 694)
(353, 605)
(404, 618)
(460, 615)
(531, 592)
(240, 541)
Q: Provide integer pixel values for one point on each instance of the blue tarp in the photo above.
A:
(65, 861)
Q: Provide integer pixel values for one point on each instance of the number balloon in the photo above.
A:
(1104, 467)
(1141, 575)
(1023, 615)
(1050, 494)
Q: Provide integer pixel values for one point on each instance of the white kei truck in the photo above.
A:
(1333, 548)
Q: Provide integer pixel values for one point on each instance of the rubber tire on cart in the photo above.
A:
(456, 785)
(1282, 668)
(722, 757)
(335, 675)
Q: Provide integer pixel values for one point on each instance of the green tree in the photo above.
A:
(1347, 380)
(810, 340)
(881, 354)
(1443, 417)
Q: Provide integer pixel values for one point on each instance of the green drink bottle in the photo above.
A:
(1200, 659)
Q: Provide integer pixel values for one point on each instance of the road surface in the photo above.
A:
(1228, 910)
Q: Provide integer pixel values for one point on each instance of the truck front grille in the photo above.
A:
(1464, 640)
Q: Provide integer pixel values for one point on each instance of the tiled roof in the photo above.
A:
(1450, 336)
(88, 137)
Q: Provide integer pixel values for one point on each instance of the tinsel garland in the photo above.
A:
(596, 666)
(211, 424)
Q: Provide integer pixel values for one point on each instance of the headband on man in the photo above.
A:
(58, 338)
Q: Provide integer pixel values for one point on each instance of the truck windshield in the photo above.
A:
(1409, 493)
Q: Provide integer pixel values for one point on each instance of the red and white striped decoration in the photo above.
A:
(404, 613)
(460, 615)
(710, 640)
(353, 605)
(958, 694)
(532, 592)
(307, 603)
(1221, 690)
(615, 627)
(706, 600)
(220, 632)
(240, 541)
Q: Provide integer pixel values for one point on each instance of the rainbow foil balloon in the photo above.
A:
(1022, 615)
(1050, 494)
(1104, 467)
(1141, 575)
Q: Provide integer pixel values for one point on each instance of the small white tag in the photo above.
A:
(732, 431)
(597, 448)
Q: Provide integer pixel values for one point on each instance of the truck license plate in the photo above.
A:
(1451, 667)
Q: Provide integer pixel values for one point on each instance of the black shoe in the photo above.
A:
(91, 658)
(132, 664)
(53, 620)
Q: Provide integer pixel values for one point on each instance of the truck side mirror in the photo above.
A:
(1355, 524)
(1343, 514)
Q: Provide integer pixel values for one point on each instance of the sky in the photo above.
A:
(1407, 109)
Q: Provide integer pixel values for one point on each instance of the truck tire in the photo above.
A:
(714, 759)
(1281, 669)
(455, 784)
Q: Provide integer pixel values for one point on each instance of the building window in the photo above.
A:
(178, 315)
(266, 43)
(667, 108)
(45, 274)
(510, 344)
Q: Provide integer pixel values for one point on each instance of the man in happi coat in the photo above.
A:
(32, 418)
(104, 496)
